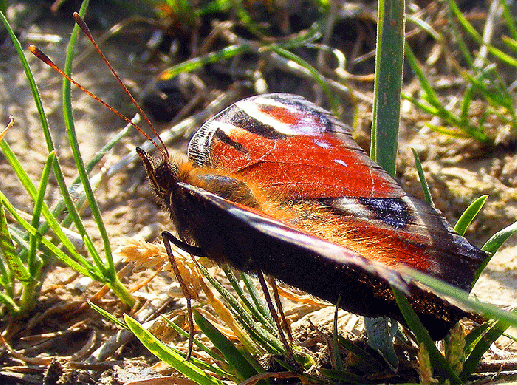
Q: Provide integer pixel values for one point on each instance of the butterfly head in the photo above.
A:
(162, 173)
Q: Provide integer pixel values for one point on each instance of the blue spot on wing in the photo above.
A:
(392, 211)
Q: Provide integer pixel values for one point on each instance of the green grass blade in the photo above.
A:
(9, 303)
(440, 365)
(244, 17)
(509, 20)
(201, 364)
(19, 236)
(497, 240)
(108, 316)
(503, 56)
(511, 43)
(48, 139)
(6, 276)
(234, 50)
(380, 332)
(473, 337)
(182, 9)
(14, 263)
(469, 214)
(489, 84)
(462, 297)
(482, 346)
(60, 206)
(36, 213)
(169, 355)
(436, 108)
(316, 75)
(72, 211)
(389, 57)
(214, 6)
(469, 28)
(261, 336)
(421, 177)
(249, 304)
(233, 356)
(430, 94)
(108, 268)
(424, 26)
(51, 220)
(199, 62)
(493, 244)
(460, 41)
(493, 90)
(212, 353)
(335, 340)
(423, 105)
(29, 77)
(83, 267)
(74, 145)
(455, 133)
(43, 119)
(468, 97)
(258, 303)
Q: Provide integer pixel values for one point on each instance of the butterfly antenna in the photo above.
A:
(45, 59)
(80, 22)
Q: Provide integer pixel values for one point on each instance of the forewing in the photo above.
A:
(297, 152)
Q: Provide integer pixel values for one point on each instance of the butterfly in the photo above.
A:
(275, 184)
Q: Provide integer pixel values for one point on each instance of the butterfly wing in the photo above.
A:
(299, 154)
(309, 154)
(253, 242)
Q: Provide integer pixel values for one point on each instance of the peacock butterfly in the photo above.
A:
(275, 184)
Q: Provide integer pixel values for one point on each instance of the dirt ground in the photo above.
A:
(458, 172)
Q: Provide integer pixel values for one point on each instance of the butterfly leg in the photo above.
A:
(285, 325)
(274, 314)
(282, 325)
(168, 238)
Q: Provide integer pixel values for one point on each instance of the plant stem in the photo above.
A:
(388, 82)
